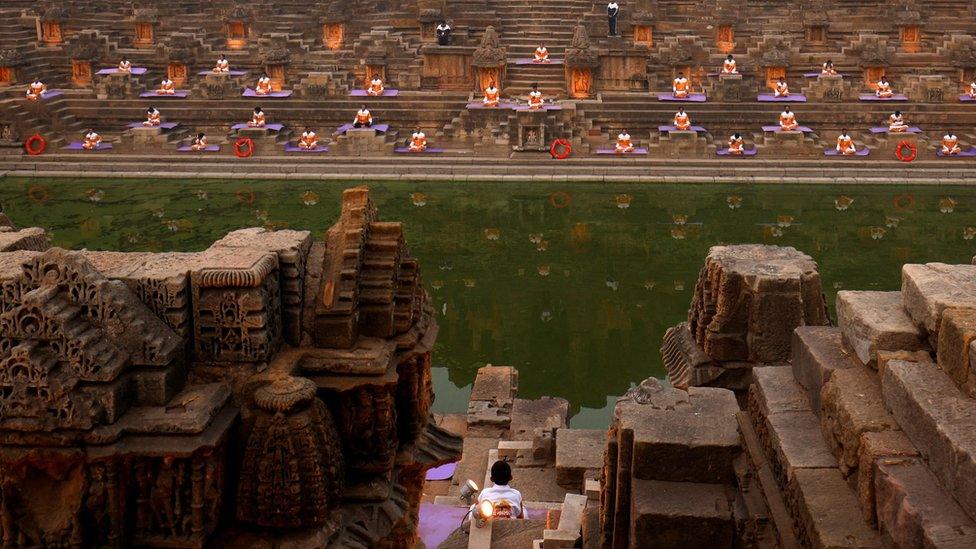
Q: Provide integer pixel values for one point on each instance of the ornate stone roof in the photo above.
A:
(580, 53)
(11, 58)
(489, 53)
(85, 48)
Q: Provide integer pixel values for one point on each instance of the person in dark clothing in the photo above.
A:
(612, 10)
(444, 34)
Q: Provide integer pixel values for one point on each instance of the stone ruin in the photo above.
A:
(271, 389)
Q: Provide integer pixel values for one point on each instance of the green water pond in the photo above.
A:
(574, 284)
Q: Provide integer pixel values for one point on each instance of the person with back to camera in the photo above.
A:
(505, 500)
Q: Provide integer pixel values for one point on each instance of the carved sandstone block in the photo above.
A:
(874, 447)
(818, 351)
(957, 340)
(929, 289)
(873, 321)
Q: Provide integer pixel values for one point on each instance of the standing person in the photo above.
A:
(612, 10)
(443, 34)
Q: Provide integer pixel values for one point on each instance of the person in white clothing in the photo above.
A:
(505, 500)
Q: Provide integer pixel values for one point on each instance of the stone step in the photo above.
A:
(877, 321)
(680, 514)
(957, 348)
(929, 289)
(938, 418)
(579, 456)
(817, 352)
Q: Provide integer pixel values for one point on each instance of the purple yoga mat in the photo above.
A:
(50, 94)
(791, 98)
(210, 148)
(872, 97)
(228, 73)
(531, 61)
(860, 153)
(442, 472)
(745, 152)
(295, 148)
(481, 106)
(884, 129)
(671, 128)
(380, 128)
(635, 152)
(135, 71)
(428, 150)
(692, 98)
(965, 98)
(78, 146)
(776, 128)
(163, 126)
(249, 92)
(970, 152)
(546, 107)
(437, 522)
(267, 126)
(177, 95)
(388, 92)
(817, 75)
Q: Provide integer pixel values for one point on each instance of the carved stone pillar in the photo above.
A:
(489, 59)
(581, 59)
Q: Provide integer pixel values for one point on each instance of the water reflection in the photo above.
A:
(557, 280)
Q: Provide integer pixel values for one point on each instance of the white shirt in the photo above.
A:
(501, 496)
(612, 6)
(442, 27)
(308, 135)
(419, 135)
(91, 136)
(623, 137)
(537, 95)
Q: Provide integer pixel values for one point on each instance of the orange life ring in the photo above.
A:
(29, 145)
(243, 147)
(560, 199)
(900, 151)
(560, 149)
(904, 202)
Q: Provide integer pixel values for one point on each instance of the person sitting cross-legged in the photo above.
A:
(364, 119)
(845, 144)
(153, 118)
(787, 120)
(681, 120)
(309, 140)
(624, 144)
(418, 141)
(950, 144)
(736, 145)
(92, 140)
(896, 123)
(506, 501)
(199, 142)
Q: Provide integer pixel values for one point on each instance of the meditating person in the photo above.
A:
(787, 120)
(36, 90)
(223, 65)
(199, 142)
(418, 141)
(443, 34)
(92, 139)
(541, 54)
(781, 89)
(506, 502)
(884, 88)
(736, 145)
(125, 66)
(896, 123)
(728, 66)
(612, 11)
(257, 118)
(492, 96)
(681, 120)
(309, 140)
(680, 87)
(624, 144)
(375, 88)
(153, 118)
(845, 144)
(363, 118)
(166, 87)
(264, 85)
(828, 68)
(535, 98)
(972, 90)
(950, 144)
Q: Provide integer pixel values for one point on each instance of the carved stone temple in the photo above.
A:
(273, 388)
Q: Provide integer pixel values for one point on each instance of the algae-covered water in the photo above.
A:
(572, 283)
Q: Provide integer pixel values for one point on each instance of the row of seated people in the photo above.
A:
(492, 97)
(787, 121)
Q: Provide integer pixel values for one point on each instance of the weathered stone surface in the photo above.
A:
(474, 459)
(492, 397)
(749, 298)
(851, 405)
(939, 419)
(914, 511)
(873, 321)
(817, 352)
(30, 238)
(578, 451)
(876, 446)
(680, 514)
(957, 341)
(537, 484)
(537, 420)
(827, 511)
(794, 441)
(776, 390)
(930, 289)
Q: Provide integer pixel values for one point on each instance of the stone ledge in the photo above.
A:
(873, 321)
(817, 352)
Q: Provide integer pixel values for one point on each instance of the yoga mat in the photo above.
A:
(970, 152)
(267, 126)
(818, 74)
(791, 98)
(637, 151)
(228, 73)
(834, 152)
(249, 92)
(776, 128)
(163, 126)
(50, 94)
(745, 152)
(428, 150)
(295, 148)
(872, 97)
(77, 146)
(210, 148)
(437, 522)
(480, 105)
(135, 70)
(884, 129)
(965, 98)
(442, 472)
(671, 128)
(532, 61)
(380, 128)
(692, 98)
(522, 108)
(388, 92)
(177, 95)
